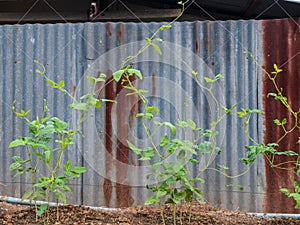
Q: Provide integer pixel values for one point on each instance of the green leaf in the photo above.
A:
(61, 196)
(136, 150)
(283, 121)
(148, 152)
(164, 140)
(68, 165)
(49, 129)
(16, 143)
(42, 209)
(222, 166)
(218, 76)
(91, 79)
(198, 179)
(145, 158)
(145, 115)
(208, 80)
(287, 153)
(170, 125)
(152, 200)
(181, 155)
(51, 82)
(277, 122)
(161, 193)
(277, 70)
(14, 166)
(79, 169)
(27, 194)
(136, 72)
(194, 161)
(42, 184)
(191, 124)
(79, 106)
(61, 84)
(107, 100)
(164, 27)
(153, 109)
(148, 40)
(118, 74)
(157, 48)
(59, 124)
(48, 156)
(182, 123)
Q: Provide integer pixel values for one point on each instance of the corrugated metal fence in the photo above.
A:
(115, 177)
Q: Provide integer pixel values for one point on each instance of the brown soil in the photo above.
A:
(11, 214)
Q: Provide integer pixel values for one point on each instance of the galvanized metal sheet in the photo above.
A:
(115, 177)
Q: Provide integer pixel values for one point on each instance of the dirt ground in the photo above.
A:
(12, 214)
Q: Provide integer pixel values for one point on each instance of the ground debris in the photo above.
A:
(12, 214)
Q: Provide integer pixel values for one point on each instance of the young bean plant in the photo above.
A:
(49, 138)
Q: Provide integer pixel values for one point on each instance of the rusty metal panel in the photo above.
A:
(115, 177)
(208, 47)
(282, 48)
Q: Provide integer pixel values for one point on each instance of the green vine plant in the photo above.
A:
(175, 183)
(49, 137)
(270, 150)
(172, 158)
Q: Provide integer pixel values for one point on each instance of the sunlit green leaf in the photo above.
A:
(136, 72)
(152, 200)
(157, 48)
(42, 209)
(79, 169)
(136, 150)
(16, 143)
(164, 27)
(208, 80)
(27, 194)
(79, 106)
(118, 74)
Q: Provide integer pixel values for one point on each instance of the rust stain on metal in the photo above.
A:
(109, 94)
(121, 33)
(117, 161)
(281, 47)
(122, 189)
(196, 36)
(196, 47)
(109, 29)
(74, 90)
(154, 84)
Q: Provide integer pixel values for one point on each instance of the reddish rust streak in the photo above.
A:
(74, 89)
(154, 84)
(196, 47)
(109, 29)
(109, 94)
(122, 189)
(121, 32)
(281, 47)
